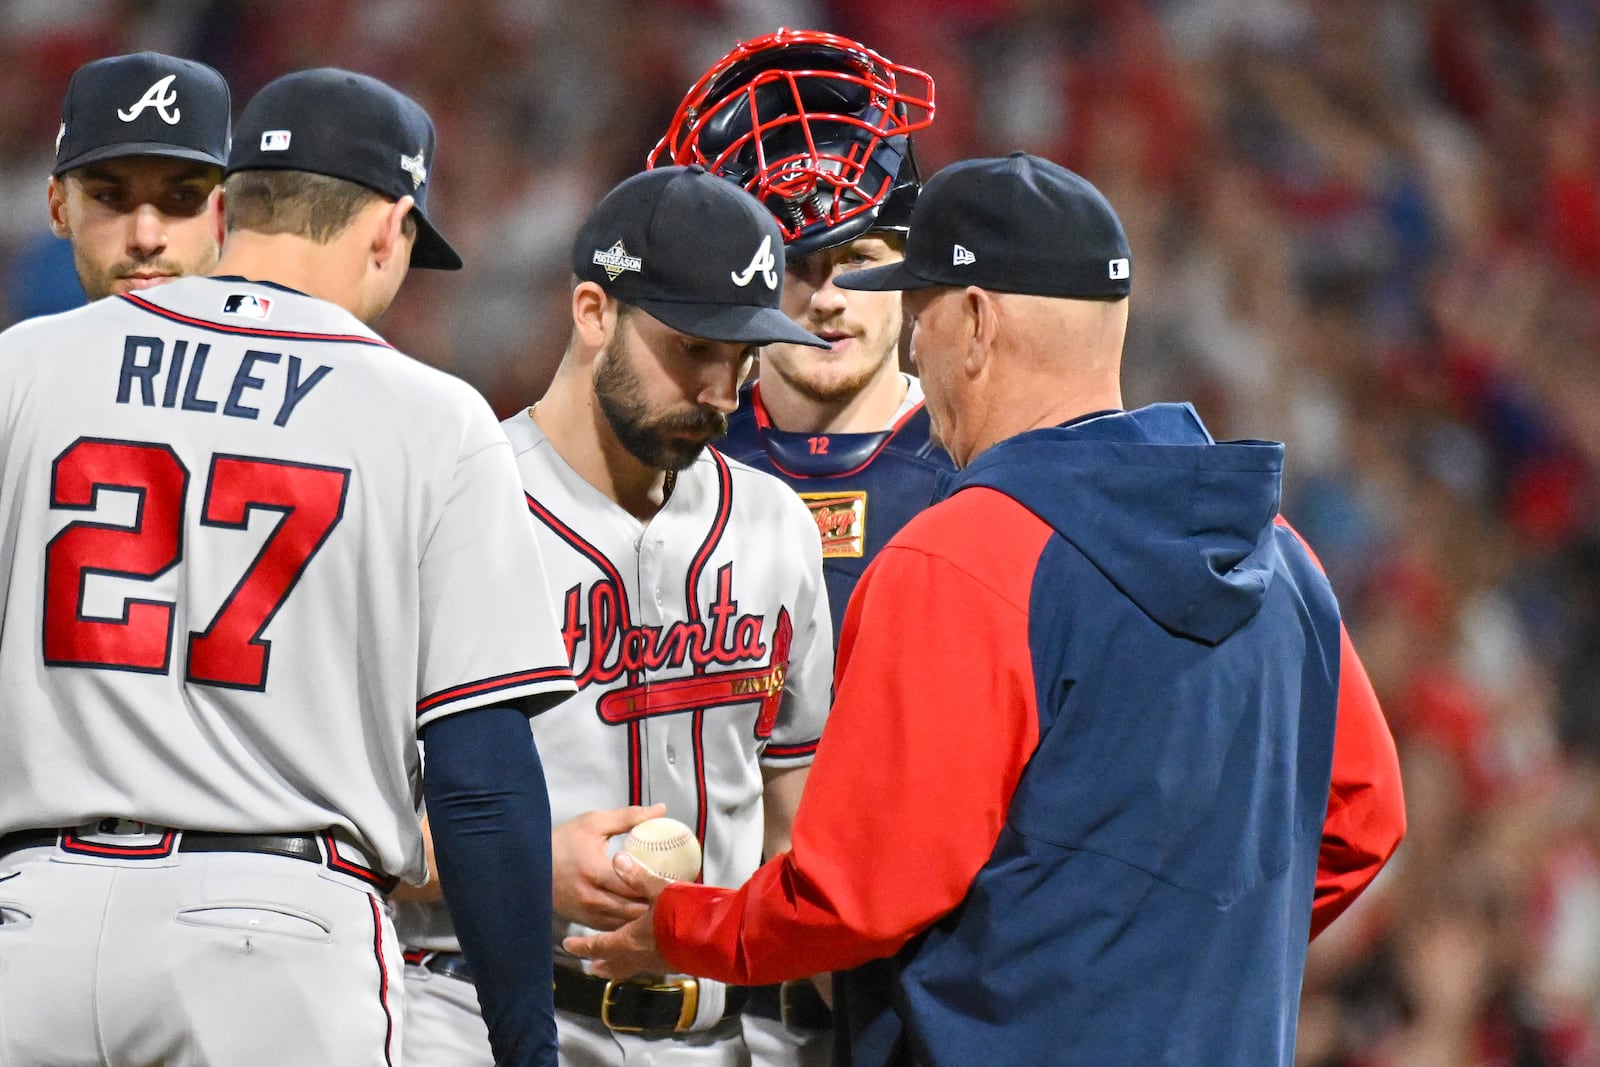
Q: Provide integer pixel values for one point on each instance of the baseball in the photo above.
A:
(667, 847)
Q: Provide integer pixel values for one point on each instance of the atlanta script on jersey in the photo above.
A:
(244, 559)
(701, 642)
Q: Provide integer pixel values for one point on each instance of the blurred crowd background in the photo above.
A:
(1369, 229)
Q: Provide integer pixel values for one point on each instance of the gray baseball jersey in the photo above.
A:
(701, 642)
(248, 549)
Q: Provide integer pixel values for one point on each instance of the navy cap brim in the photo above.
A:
(137, 148)
(731, 322)
(432, 251)
(888, 278)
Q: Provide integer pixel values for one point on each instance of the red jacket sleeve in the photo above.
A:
(934, 719)
(1366, 810)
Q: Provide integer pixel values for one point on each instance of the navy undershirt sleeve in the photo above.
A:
(490, 816)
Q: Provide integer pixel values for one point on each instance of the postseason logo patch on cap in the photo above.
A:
(615, 260)
(416, 167)
(247, 305)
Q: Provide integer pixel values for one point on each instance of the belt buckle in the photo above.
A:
(688, 987)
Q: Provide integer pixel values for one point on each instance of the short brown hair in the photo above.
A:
(314, 206)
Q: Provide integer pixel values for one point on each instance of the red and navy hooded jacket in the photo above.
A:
(1101, 760)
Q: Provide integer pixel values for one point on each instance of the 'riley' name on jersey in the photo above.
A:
(156, 373)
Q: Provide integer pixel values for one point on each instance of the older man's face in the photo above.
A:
(936, 348)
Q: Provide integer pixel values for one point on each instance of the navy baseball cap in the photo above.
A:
(1018, 224)
(145, 104)
(349, 126)
(695, 251)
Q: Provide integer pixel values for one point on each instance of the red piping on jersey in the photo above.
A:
(609, 569)
(70, 842)
(805, 748)
(490, 685)
(595, 556)
(718, 526)
(250, 331)
(383, 981)
(764, 423)
(337, 862)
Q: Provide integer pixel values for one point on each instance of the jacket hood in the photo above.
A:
(1181, 524)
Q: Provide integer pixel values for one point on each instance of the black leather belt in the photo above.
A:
(84, 841)
(650, 1009)
(796, 1004)
(448, 964)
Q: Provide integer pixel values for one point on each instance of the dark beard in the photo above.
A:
(648, 440)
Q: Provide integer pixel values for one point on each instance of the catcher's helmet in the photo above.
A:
(816, 126)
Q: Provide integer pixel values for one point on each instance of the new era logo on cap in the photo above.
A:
(1027, 226)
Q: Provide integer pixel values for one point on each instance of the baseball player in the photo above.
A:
(694, 607)
(843, 426)
(139, 154)
(249, 552)
(1134, 759)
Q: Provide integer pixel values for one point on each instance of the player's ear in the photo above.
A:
(980, 327)
(57, 193)
(218, 216)
(388, 238)
(594, 315)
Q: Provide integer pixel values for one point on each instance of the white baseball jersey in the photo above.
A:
(248, 549)
(701, 642)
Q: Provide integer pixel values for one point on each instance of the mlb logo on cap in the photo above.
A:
(349, 126)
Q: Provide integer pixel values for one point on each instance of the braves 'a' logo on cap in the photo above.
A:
(615, 260)
(160, 96)
(764, 262)
(414, 166)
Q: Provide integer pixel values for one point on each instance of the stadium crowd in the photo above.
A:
(1370, 229)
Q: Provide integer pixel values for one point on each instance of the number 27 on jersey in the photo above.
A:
(230, 651)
